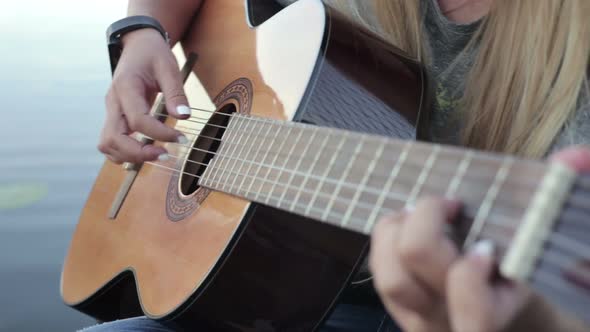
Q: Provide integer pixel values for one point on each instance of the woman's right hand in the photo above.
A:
(146, 67)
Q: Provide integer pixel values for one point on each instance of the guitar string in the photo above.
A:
(374, 190)
(555, 260)
(478, 154)
(481, 155)
(367, 189)
(376, 174)
(190, 131)
(410, 162)
(360, 204)
(231, 143)
(490, 156)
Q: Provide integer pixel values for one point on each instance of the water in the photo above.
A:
(54, 73)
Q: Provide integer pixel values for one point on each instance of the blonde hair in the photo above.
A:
(530, 68)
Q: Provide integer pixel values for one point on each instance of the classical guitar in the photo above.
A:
(260, 221)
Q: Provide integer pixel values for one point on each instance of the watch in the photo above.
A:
(116, 31)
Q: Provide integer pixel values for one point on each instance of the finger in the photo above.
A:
(113, 124)
(395, 286)
(118, 145)
(425, 250)
(130, 150)
(477, 304)
(169, 79)
(113, 159)
(136, 109)
(469, 293)
(577, 158)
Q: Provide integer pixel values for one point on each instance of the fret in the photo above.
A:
(237, 156)
(456, 182)
(263, 160)
(324, 176)
(311, 168)
(294, 171)
(226, 145)
(228, 152)
(486, 206)
(282, 168)
(363, 184)
(210, 173)
(273, 163)
(343, 177)
(300, 207)
(240, 159)
(388, 185)
(423, 176)
(253, 144)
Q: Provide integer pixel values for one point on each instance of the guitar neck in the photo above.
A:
(351, 179)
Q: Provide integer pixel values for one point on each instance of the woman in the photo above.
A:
(510, 76)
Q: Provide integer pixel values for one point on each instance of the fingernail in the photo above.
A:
(182, 139)
(482, 248)
(409, 208)
(163, 157)
(183, 110)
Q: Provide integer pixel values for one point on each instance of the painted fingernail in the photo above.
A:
(183, 110)
(409, 208)
(482, 248)
(163, 157)
(182, 139)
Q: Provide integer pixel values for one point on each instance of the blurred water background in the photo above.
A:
(54, 72)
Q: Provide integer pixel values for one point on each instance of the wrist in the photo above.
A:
(120, 29)
(145, 35)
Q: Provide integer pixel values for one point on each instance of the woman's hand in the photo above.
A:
(427, 285)
(146, 67)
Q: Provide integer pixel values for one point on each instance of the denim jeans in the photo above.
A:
(344, 318)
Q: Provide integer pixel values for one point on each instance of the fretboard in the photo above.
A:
(351, 179)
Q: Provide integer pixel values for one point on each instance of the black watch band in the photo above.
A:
(126, 25)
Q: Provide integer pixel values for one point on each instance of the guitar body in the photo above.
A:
(204, 258)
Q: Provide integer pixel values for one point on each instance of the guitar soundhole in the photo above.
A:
(204, 149)
(184, 196)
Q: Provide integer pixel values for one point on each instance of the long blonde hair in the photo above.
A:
(529, 71)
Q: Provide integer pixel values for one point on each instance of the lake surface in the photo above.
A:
(53, 77)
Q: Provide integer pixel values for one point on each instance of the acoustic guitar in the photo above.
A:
(261, 220)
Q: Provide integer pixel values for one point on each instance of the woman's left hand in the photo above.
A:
(427, 285)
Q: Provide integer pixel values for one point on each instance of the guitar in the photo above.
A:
(261, 220)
